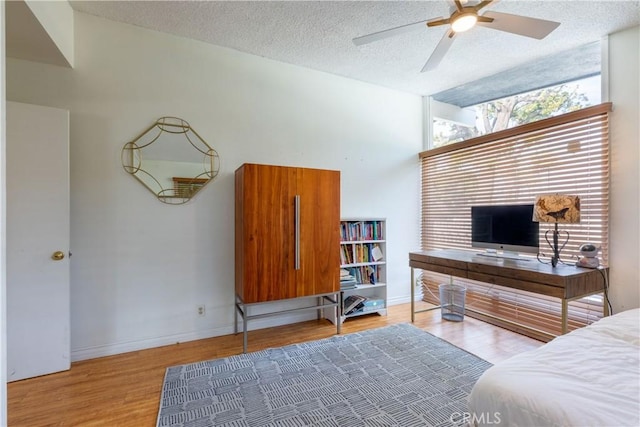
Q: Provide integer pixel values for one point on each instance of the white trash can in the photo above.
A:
(452, 302)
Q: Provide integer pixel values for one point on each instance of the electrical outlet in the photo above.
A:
(201, 310)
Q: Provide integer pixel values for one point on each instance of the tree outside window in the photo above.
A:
(520, 109)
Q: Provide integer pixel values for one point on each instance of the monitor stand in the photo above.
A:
(504, 254)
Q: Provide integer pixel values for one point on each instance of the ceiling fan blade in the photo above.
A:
(438, 21)
(458, 5)
(484, 19)
(482, 4)
(521, 25)
(443, 46)
(388, 33)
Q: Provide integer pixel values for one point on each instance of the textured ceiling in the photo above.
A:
(318, 34)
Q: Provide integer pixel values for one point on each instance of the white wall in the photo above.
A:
(3, 240)
(56, 19)
(136, 275)
(624, 92)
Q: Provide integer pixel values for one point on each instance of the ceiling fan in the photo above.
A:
(463, 18)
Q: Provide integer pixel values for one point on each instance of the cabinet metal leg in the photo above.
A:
(322, 302)
(235, 318)
(338, 298)
(244, 334)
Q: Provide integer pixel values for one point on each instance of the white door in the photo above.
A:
(37, 179)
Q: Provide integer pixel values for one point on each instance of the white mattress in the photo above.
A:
(589, 377)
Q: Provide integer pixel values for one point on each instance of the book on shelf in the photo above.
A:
(347, 281)
(370, 308)
(372, 275)
(374, 302)
(346, 256)
(364, 274)
(353, 303)
(361, 230)
(346, 274)
(376, 253)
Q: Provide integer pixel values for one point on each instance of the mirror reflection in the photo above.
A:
(171, 160)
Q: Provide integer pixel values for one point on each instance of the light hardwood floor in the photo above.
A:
(124, 390)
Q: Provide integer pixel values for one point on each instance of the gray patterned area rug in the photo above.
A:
(397, 375)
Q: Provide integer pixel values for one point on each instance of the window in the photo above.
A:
(564, 154)
(519, 109)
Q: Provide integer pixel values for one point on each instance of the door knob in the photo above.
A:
(57, 255)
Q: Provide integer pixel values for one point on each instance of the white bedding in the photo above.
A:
(589, 377)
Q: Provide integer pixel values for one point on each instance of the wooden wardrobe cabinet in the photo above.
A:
(287, 232)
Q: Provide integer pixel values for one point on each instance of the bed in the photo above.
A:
(589, 377)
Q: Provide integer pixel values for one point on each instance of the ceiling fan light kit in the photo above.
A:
(462, 19)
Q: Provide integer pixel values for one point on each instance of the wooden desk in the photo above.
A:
(564, 282)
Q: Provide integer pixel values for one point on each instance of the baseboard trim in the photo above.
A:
(145, 344)
(125, 347)
(404, 299)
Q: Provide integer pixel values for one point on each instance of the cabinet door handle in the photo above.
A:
(297, 231)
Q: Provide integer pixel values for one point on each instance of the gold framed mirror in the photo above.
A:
(171, 160)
